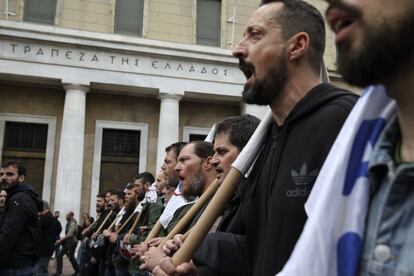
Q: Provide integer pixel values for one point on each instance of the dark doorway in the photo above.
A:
(120, 158)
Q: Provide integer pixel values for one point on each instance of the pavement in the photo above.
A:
(66, 269)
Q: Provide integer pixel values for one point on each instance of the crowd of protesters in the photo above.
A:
(279, 219)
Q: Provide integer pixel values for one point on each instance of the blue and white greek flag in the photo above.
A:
(331, 241)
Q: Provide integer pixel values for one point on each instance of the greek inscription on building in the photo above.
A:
(106, 60)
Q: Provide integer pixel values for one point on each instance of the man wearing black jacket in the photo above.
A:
(281, 55)
(307, 118)
(19, 228)
(48, 226)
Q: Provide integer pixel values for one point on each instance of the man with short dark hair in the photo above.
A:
(142, 183)
(194, 168)
(69, 243)
(170, 161)
(19, 229)
(108, 194)
(281, 57)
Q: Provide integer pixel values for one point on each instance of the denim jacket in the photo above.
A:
(388, 247)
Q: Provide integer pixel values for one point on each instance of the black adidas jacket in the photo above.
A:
(271, 212)
(272, 202)
(20, 235)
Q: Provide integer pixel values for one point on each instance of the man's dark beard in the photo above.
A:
(141, 196)
(100, 208)
(265, 91)
(9, 188)
(194, 191)
(196, 188)
(385, 49)
(130, 206)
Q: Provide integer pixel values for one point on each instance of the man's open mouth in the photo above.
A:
(246, 68)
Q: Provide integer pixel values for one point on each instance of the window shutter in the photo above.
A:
(129, 16)
(40, 11)
(208, 22)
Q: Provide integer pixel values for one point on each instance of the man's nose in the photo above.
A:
(215, 161)
(240, 50)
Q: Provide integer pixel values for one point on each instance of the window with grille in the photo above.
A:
(208, 22)
(197, 137)
(40, 11)
(25, 137)
(129, 16)
(116, 142)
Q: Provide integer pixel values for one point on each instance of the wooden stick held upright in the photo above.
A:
(155, 231)
(112, 225)
(188, 217)
(103, 223)
(134, 226)
(125, 223)
(209, 216)
(90, 226)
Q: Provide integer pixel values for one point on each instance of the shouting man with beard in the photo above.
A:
(281, 55)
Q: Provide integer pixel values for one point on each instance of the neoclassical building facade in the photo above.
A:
(92, 91)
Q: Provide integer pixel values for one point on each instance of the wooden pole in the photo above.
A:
(156, 230)
(112, 225)
(103, 223)
(125, 223)
(90, 226)
(209, 216)
(188, 217)
(132, 229)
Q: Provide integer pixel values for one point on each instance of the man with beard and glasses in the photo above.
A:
(20, 237)
(376, 47)
(281, 55)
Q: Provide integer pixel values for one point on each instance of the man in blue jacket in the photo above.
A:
(20, 227)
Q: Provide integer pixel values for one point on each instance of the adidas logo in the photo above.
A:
(303, 177)
(301, 180)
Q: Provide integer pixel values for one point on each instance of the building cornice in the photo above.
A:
(114, 42)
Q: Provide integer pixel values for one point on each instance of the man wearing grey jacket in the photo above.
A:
(69, 242)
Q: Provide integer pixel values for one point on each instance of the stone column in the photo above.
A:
(168, 127)
(70, 161)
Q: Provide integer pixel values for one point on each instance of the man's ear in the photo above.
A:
(208, 164)
(20, 179)
(298, 45)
